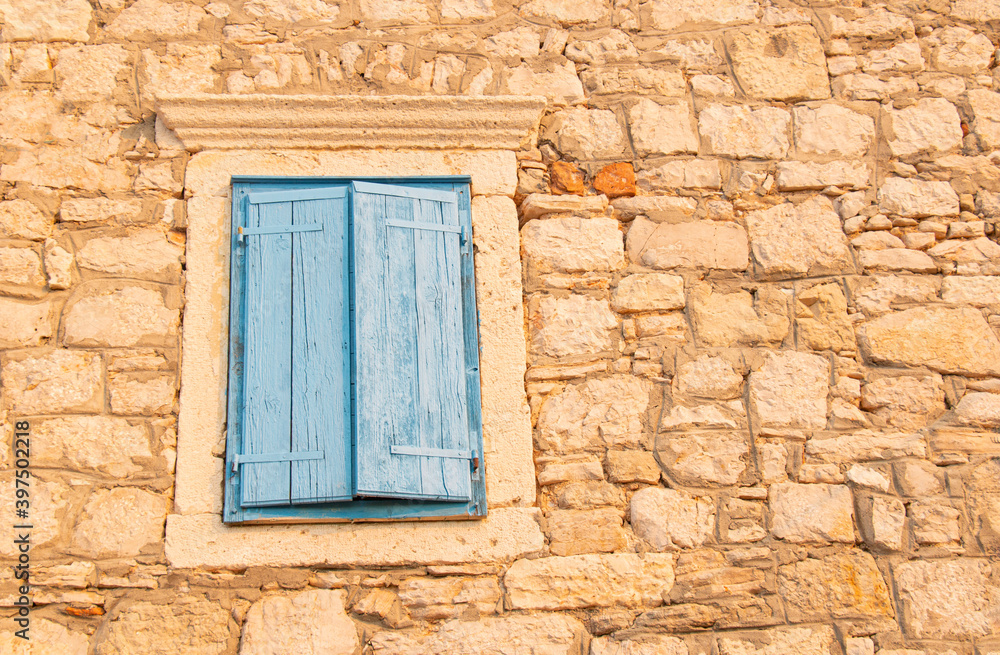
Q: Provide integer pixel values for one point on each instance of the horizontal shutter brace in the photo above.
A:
(415, 225)
(278, 229)
(266, 458)
(444, 453)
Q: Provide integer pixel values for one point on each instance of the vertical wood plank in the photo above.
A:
(268, 345)
(320, 352)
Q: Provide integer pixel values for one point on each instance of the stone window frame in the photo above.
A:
(350, 137)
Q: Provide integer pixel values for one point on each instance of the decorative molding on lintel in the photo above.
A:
(251, 122)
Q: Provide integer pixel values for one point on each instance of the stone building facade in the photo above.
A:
(739, 291)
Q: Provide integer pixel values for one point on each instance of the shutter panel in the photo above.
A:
(296, 397)
(412, 426)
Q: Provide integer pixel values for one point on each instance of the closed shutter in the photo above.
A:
(412, 426)
(295, 418)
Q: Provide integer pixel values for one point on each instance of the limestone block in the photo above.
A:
(91, 444)
(865, 446)
(960, 51)
(902, 57)
(783, 63)
(805, 513)
(567, 469)
(790, 390)
(702, 416)
(577, 325)
(671, 14)
(551, 634)
(583, 581)
(539, 204)
(876, 241)
(712, 459)
(307, 622)
(822, 319)
(103, 210)
(432, 599)
(120, 315)
(662, 129)
(693, 174)
(613, 47)
(799, 240)
(844, 585)
(646, 292)
(979, 408)
(46, 638)
(615, 80)
(121, 522)
(50, 503)
(21, 267)
(983, 485)
(907, 402)
(89, 73)
(731, 319)
(597, 414)
(555, 80)
(956, 341)
(567, 12)
(896, 259)
(156, 18)
(45, 20)
(578, 531)
(881, 522)
(693, 244)
(467, 9)
(934, 523)
(798, 176)
(141, 394)
(144, 254)
(833, 130)
(648, 646)
(187, 625)
(919, 479)
(976, 10)
(668, 519)
(58, 167)
(968, 257)
(742, 132)
(624, 466)
(585, 133)
(877, 295)
(709, 377)
(24, 324)
(861, 86)
(917, 198)
(947, 599)
(929, 127)
(659, 208)
(803, 641)
(58, 265)
(986, 110)
(978, 291)
(573, 245)
(877, 24)
(293, 11)
(54, 382)
(184, 66)
(19, 219)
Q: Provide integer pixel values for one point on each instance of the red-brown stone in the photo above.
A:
(616, 180)
(565, 179)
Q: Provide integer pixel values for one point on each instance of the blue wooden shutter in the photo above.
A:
(412, 426)
(295, 415)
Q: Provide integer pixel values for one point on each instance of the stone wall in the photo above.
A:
(762, 297)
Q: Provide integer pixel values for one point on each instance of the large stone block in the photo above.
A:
(19, 219)
(647, 646)
(692, 244)
(50, 502)
(779, 63)
(790, 391)
(648, 292)
(62, 167)
(90, 73)
(46, 638)
(45, 20)
(586, 133)
(121, 315)
(709, 377)
(845, 585)
(568, 12)
(579, 531)
(712, 459)
(141, 394)
(121, 522)
(907, 402)
(583, 581)
(877, 295)
(144, 254)
(822, 320)
(960, 51)
(183, 66)
(800, 176)
(671, 14)
(803, 513)
(780, 641)
(976, 10)
(978, 291)
(983, 488)
(160, 19)
(742, 132)
(187, 625)
(555, 80)
(577, 325)
(659, 208)
(24, 324)
(662, 129)
(89, 444)
(980, 256)
(668, 519)
(801, 240)
(54, 382)
(102, 210)
(986, 109)
(595, 415)
(930, 127)
(307, 622)
(948, 599)
(833, 130)
(864, 446)
(551, 634)
(21, 267)
(573, 245)
(432, 599)
(917, 198)
(957, 341)
(733, 319)
(293, 11)
(979, 408)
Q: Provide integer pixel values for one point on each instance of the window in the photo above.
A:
(354, 376)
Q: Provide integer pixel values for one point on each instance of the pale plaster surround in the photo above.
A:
(195, 534)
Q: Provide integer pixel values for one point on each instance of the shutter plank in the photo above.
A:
(267, 393)
(320, 350)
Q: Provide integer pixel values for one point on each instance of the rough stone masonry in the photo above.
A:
(761, 269)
